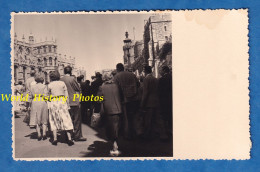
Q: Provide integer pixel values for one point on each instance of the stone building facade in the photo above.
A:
(155, 48)
(41, 56)
(157, 33)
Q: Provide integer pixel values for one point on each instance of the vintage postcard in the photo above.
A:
(130, 85)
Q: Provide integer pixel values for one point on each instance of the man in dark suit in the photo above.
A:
(128, 86)
(85, 105)
(150, 106)
(94, 90)
(73, 88)
(165, 97)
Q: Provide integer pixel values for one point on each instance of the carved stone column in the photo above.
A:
(150, 60)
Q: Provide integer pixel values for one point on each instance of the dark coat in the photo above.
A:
(85, 89)
(150, 92)
(73, 88)
(128, 86)
(95, 86)
(165, 95)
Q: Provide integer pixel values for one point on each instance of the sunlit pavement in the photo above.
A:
(27, 145)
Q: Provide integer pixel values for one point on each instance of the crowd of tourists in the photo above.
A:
(132, 107)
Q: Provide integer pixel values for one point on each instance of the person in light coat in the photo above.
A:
(112, 110)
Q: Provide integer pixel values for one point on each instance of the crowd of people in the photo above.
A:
(133, 107)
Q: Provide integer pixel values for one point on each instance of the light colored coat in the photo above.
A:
(111, 103)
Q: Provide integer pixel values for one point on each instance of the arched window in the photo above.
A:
(165, 28)
(24, 73)
(45, 62)
(50, 61)
(55, 61)
(45, 76)
(15, 73)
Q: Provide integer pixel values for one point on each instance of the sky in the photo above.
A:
(96, 40)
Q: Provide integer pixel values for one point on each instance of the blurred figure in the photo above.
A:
(150, 106)
(73, 88)
(112, 110)
(94, 90)
(18, 105)
(128, 85)
(93, 78)
(165, 97)
(139, 119)
(30, 81)
(79, 79)
(39, 109)
(85, 105)
(59, 116)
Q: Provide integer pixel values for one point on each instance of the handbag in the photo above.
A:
(95, 120)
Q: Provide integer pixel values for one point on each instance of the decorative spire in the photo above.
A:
(126, 35)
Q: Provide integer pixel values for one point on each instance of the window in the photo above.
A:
(39, 50)
(55, 61)
(44, 49)
(50, 61)
(15, 74)
(49, 48)
(165, 28)
(45, 62)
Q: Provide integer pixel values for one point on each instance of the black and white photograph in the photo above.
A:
(92, 85)
(128, 85)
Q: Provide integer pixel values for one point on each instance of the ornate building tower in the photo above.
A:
(128, 51)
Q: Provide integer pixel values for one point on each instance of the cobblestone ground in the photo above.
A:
(27, 145)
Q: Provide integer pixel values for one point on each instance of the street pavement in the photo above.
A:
(27, 146)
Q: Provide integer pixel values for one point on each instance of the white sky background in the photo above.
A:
(96, 40)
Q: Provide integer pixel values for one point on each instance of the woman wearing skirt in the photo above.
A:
(39, 109)
(59, 117)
